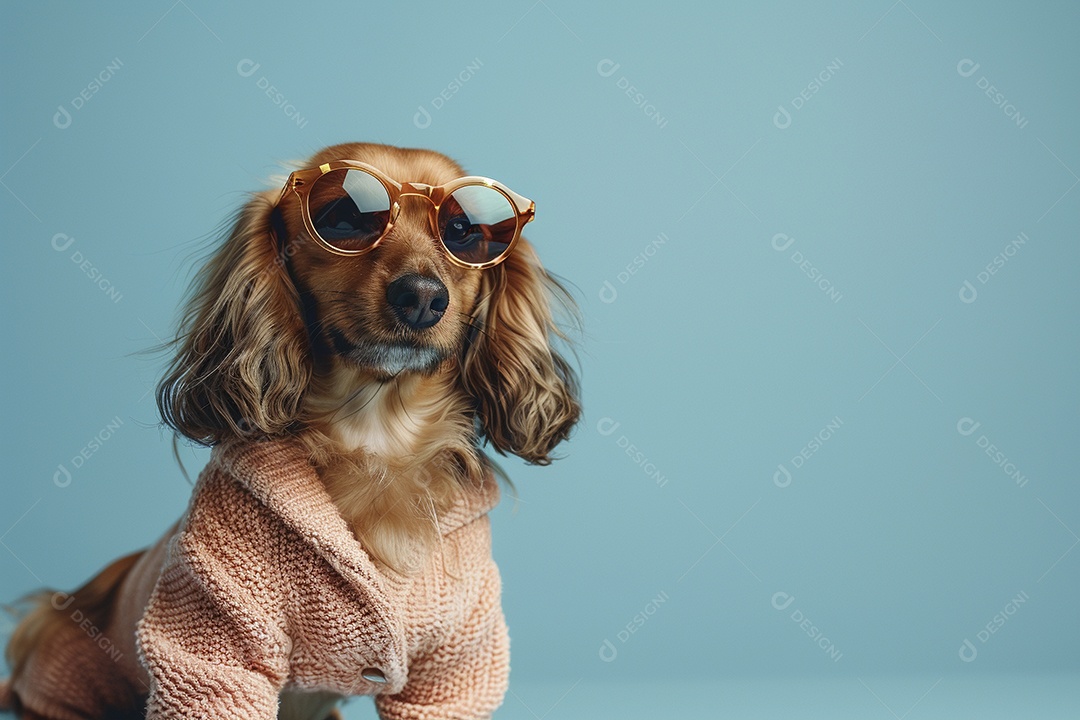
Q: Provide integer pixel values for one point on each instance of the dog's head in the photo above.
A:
(276, 307)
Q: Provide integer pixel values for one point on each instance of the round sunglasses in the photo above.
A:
(349, 206)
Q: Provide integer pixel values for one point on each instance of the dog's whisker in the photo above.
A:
(352, 396)
(478, 328)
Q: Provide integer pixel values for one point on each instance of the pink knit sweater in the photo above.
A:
(262, 588)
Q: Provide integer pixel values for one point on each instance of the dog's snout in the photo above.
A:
(418, 300)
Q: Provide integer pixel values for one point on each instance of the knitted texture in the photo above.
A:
(262, 588)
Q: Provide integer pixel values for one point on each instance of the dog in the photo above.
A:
(371, 328)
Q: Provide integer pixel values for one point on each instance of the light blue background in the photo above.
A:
(899, 180)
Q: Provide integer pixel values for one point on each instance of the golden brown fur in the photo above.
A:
(261, 355)
(49, 612)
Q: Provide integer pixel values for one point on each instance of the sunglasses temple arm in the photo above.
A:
(524, 205)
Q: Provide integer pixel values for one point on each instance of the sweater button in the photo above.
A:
(374, 675)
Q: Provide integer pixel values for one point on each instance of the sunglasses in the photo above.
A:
(349, 206)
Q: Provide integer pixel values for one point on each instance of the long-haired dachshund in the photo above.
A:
(356, 340)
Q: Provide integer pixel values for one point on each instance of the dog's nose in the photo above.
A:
(418, 300)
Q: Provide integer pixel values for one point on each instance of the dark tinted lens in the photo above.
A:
(477, 224)
(349, 208)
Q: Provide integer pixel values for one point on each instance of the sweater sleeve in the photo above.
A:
(210, 637)
(465, 678)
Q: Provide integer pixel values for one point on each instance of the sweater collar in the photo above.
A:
(279, 474)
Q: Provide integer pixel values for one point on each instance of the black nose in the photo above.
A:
(418, 300)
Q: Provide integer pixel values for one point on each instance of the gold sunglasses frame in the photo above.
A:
(301, 182)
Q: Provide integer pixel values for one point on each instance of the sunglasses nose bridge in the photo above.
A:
(419, 190)
(428, 192)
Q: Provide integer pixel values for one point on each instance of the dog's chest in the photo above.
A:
(380, 426)
(383, 436)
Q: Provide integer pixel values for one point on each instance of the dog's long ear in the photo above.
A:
(242, 361)
(526, 392)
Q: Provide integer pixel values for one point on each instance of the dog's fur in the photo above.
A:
(282, 338)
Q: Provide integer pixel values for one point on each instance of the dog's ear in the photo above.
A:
(242, 361)
(526, 392)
